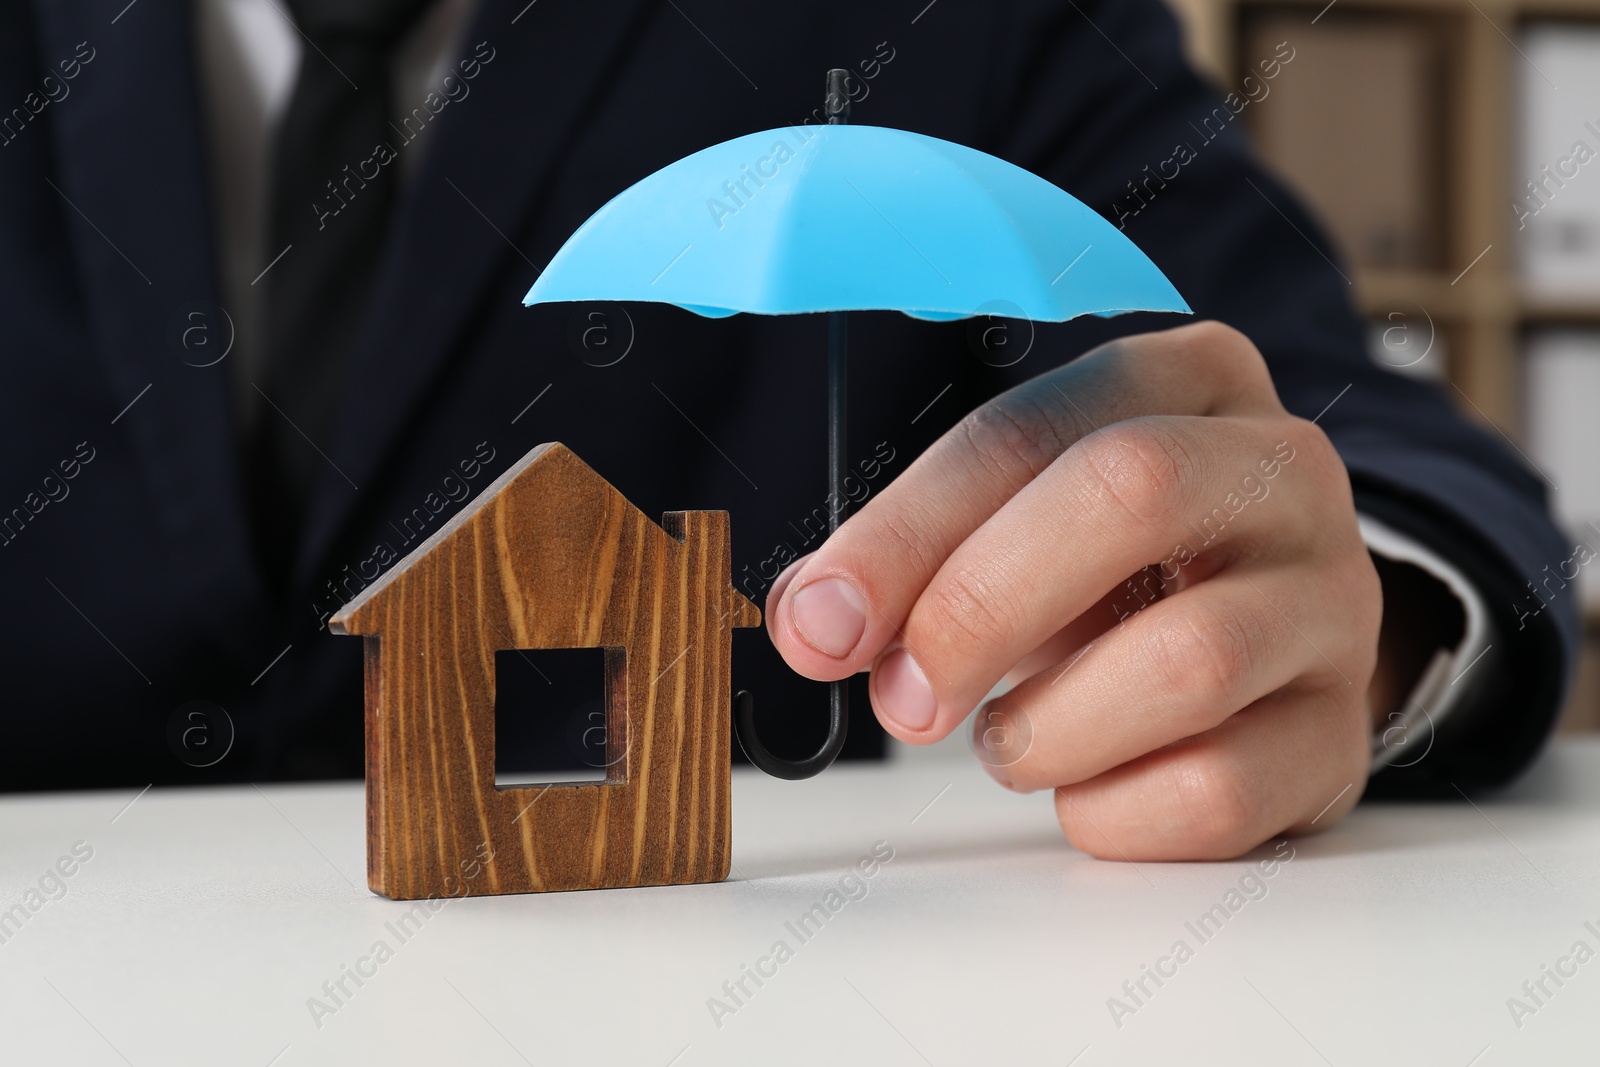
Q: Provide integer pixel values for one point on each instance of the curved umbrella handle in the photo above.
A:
(744, 721)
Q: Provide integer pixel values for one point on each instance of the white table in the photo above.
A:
(205, 920)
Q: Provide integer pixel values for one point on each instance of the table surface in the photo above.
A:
(206, 921)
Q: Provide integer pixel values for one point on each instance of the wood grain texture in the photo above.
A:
(550, 556)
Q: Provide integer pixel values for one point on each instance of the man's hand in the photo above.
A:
(1165, 563)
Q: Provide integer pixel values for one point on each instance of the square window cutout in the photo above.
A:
(550, 716)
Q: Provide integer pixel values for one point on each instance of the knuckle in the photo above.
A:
(1225, 349)
(1012, 439)
(1213, 336)
(1352, 587)
(1213, 803)
(1368, 607)
(1311, 446)
(964, 610)
(905, 534)
(1329, 518)
(1350, 747)
(1207, 653)
(1144, 468)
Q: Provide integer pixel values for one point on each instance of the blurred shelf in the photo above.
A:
(1381, 291)
(1487, 298)
(1580, 10)
(1576, 309)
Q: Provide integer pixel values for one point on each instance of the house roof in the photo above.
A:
(553, 461)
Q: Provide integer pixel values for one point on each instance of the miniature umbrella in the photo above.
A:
(842, 218)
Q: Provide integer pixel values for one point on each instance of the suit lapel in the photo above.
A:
(131, 173)
(508, 137)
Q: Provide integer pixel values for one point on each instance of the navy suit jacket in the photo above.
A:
(127, 567)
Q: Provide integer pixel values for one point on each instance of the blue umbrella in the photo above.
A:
(842, 218)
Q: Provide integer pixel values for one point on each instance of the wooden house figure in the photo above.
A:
(550, 556)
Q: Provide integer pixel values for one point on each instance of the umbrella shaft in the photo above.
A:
(838, 463)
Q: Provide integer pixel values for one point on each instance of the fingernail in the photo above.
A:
(781, 582)
(830, 616)
(903, 692)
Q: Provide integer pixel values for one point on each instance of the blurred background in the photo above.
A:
(1452, 148)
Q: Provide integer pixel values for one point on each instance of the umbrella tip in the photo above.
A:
(836, 102)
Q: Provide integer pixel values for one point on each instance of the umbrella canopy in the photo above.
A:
(854, 218)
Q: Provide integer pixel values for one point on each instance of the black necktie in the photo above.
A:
(332, 188)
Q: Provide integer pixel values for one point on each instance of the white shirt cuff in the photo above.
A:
(1408, 734)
